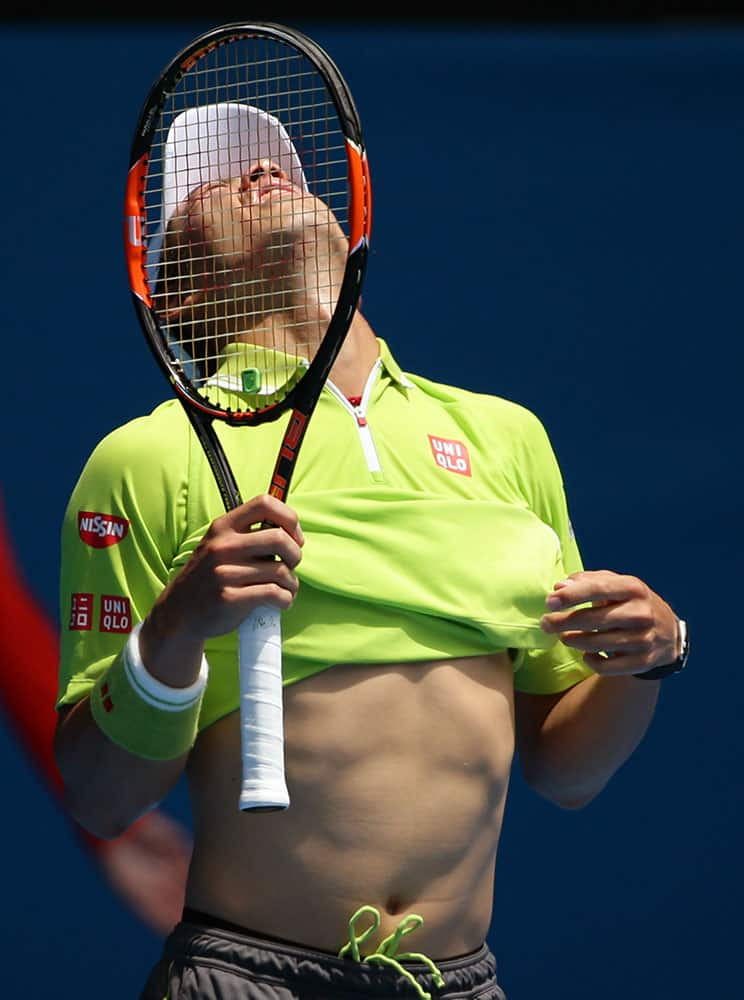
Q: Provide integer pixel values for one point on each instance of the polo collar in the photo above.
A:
(239, 354)
(261, 373)
(391, 366)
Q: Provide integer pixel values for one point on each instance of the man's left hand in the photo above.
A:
(619, 624)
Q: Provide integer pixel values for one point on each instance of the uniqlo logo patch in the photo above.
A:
(101, 530)
(450, 455)
(81, 613)
(116, 614)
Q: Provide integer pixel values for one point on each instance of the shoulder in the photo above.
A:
(489, 410)
(130, 473)
(146, 456)
(152, 438)
(510, 433)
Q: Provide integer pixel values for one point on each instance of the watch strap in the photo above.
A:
(667, 669)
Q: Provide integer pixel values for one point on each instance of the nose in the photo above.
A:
(263, 172)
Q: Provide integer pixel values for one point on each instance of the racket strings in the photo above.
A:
(225, 267)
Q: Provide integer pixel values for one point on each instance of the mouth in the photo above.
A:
(277, 188)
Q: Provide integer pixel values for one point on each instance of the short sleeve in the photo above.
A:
(548, 671)
(118, 543)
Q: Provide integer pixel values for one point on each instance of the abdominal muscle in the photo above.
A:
(397, 777)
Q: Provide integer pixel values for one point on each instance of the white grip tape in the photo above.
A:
(262, 711)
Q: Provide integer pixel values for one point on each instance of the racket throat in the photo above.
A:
(287, 457)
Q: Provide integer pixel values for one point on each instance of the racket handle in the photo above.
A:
(263, 785)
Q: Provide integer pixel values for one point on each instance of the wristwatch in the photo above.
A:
(667, 669)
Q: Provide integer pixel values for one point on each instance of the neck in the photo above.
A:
(355, 360)
(357, 357)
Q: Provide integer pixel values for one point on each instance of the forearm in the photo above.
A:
(586, 737)
(106, 787)
(114, 773)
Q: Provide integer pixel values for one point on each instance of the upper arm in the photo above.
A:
(530, 713)
(68, 718)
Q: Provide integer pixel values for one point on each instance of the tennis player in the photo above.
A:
(436, 616)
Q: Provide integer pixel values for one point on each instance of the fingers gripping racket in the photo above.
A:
(247, 222)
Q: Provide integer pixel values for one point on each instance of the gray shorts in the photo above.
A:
(205, 962)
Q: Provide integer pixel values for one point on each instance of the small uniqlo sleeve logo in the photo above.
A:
(116, 614)
(81, 613)
(450, 455)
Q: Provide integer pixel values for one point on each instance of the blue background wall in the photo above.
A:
(558, 219)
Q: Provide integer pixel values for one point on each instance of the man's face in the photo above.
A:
(243, 249)
(238, 222)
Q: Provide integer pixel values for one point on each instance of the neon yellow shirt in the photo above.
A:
(435, 523)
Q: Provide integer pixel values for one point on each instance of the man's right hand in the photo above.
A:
(237, 566)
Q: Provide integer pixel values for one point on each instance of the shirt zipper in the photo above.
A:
(360, 417)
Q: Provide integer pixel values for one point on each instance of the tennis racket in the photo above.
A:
(244, 316)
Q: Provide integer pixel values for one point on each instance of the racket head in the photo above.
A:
(245, 294)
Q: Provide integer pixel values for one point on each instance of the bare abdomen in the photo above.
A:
(397, 779)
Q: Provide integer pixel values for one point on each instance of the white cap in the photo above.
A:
(218, 141)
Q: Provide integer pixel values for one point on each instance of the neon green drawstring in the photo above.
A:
(387, 951)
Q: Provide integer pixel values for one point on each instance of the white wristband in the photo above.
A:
(153, 691)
